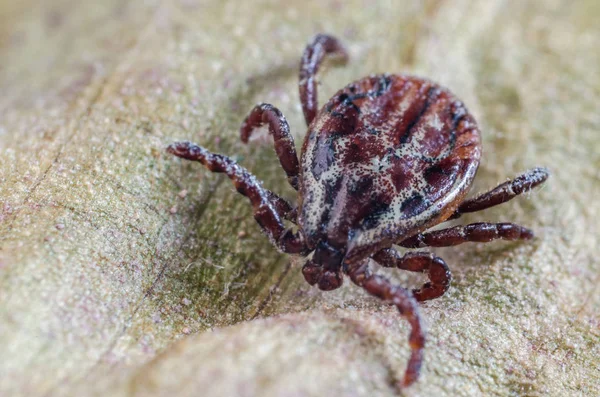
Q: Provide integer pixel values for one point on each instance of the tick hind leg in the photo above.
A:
(504, 192)
(422, 262)
(279, 128)
(475, 232)
(407, 306)
(266, 205)
(313, 56)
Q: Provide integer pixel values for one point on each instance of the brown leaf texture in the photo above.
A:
(125, 271)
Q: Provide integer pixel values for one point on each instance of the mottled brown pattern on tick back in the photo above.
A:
(386, 157)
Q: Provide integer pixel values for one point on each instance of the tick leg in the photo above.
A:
(284, 141)
(407, 306)
(422, 262)
(504, 192)
(283, 208)
(314, 54)
(474, 232)
(265, 208)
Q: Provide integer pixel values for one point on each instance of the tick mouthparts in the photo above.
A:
(312, 273)
(330, 280)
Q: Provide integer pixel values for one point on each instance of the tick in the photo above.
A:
(387, 158)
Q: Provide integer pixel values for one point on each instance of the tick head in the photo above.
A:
(325, 267)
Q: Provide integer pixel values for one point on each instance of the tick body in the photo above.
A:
(384, 160)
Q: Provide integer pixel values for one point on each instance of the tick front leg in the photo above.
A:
(283, 208)
(422, 262)
(407, 306)
(474, 232)
(504, 192)
(265, 209)
(279, 128)
(312, 58)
